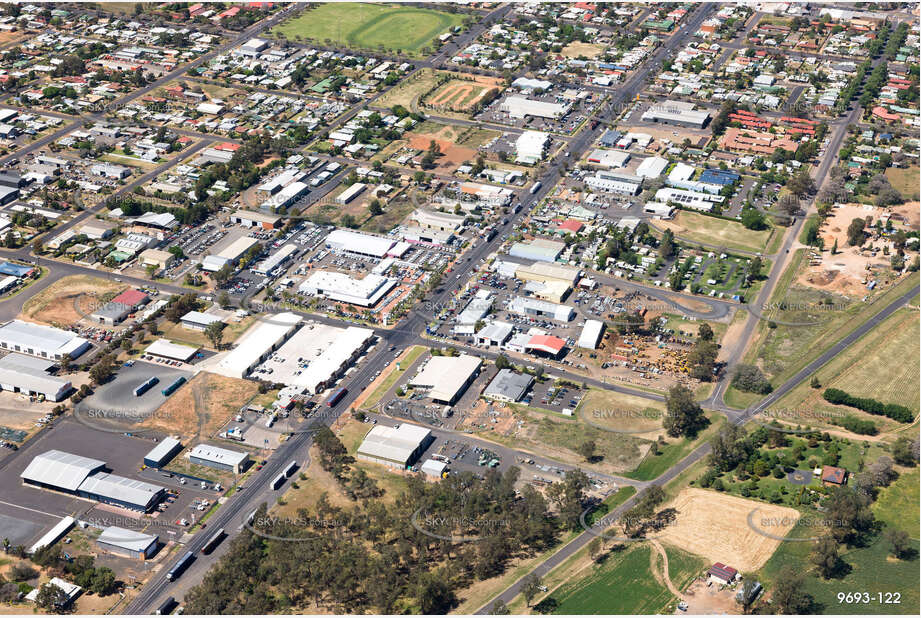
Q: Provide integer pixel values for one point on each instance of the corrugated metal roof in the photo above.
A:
(126, 539)
(120, 488)
(163, 449)
(60, 469)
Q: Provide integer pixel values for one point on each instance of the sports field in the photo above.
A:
(370, 26)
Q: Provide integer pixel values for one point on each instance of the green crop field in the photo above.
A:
(370, 26)
(624, 584)
(871, 569)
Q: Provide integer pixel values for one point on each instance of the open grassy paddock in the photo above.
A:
(904, 180)
(369, 26)
(866, 369)
(696, 227)
(897, 505)
(868, 569)
(624, 583)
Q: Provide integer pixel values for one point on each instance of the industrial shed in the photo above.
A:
(396, 447)
(218, 458)
(30, 375)
(39, 340)
(129, 543)
(508, 386)
(162, 453)
(121, 491)
(60, 471)
(85, 477)
(591, 334)
(263, 338)
(447, 377)
(173, 351)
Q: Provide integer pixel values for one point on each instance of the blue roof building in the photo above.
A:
(719, 177)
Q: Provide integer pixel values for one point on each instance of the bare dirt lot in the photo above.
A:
(715, 526)
(704, 599)
(452, 155)
(848, 270)
(201, 406)
(461, 95)
(67, 301)
(577, 49)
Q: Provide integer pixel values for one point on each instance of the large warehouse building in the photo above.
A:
(355, 243)
(396, 447)
(344, 288)
(522, 107)
(679, 113)
(30, 375)
(447, 377)
(38, 340)
(85, 477)
(327, 352)
(256, 344)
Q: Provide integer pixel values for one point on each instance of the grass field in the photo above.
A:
(699, 228)
(621, 413)
(905, 181)
(624, 583)
(897, 505)
(370, 26)
(653, 466)
(871, 570)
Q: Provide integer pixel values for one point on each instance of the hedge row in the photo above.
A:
(891, 410)
(856, 425)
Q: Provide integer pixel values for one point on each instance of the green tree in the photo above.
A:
(215, 333)
(530, 588)
(788, 596)
(825, 556)
(51, 597)
(685, 416)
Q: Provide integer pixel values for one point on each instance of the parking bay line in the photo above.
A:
(26, 508)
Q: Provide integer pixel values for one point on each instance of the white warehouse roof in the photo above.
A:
(36, 338)
(591, 333)
(446, 376)
(354, 242)
(396, 444)
(168, 349)
(365, 292)
(217, 454)
(651, 167)
(257, 341)
(60, 469)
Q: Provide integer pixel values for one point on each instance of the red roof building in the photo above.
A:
(570, 225)
(722, 573)
(547, 344)
(131, 297)
(884, 114)
(833, 475)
